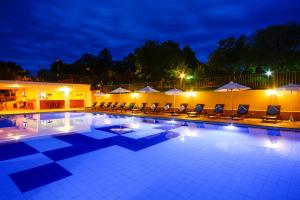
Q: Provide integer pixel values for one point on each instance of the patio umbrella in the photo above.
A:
(174, 92)
(290, 87)
(99, 94)
(120, 91)
(232, 87)
(147, 90)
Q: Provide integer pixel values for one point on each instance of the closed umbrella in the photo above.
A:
(232, 87)
(174, 92)
(290, 88)
(147, 90)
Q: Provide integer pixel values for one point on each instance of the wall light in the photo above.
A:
(43, 95)
(15, 85)
(272, 92)
(134, 95)
(190, 94)
(64, 89)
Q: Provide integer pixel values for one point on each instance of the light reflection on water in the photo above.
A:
(226, 138)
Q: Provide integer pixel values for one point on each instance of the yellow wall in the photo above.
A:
(59, 91)
(257, 99)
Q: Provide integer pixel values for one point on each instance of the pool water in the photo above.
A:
(99, 156)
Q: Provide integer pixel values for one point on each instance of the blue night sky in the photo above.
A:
(36, 32)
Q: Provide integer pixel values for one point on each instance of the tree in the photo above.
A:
(11, 71)
(157, 61)
(275, 47)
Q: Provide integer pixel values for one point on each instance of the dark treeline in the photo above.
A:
(275, 48)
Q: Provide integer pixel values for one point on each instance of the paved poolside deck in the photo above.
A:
(246, 121)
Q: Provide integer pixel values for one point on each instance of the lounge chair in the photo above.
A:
(272, 114)
(113, 106)
(218, 111)
(197, 111)
(153, 108)
(104, 107)
(129, 107)
(100, 106)
(141, 108)
(92, 107)
(181, 110)
(120, 107)
(167, 108)
(241, 112)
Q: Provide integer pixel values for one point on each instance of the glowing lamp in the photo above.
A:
(135, 95)
(190, 94)
(189, 77)
(182, 75)
(65, 89)
(272, 92)
(269, 73)
(15, 86)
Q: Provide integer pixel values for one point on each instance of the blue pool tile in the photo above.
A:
(143, 133)
(4, 123)
(78, 148)
(273, 132)
(15, 150)
(46, 144)
(99, 134)
(109, 129)
(39, 176)
(167, 127)
(77, 139)
(23, 163)
(145, 142)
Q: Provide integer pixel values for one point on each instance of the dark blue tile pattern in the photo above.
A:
(83, 144)
(4, 123)
(145, 142)
(38, 176)
(78, 147)
(15, 150)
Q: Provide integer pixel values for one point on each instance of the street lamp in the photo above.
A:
(182, 75)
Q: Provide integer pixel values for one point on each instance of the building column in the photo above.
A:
(67, 99)
(37, 99)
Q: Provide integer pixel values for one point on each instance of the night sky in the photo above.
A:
(36, 32)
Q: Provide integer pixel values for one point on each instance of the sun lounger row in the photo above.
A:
(272, 113)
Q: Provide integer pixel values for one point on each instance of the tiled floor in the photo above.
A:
(117, 157)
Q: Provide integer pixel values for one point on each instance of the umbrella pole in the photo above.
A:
(232, 103)
(291, 116)
(174, 103)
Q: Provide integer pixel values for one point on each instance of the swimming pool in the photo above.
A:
(98, 156)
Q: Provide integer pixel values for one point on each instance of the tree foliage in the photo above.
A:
(274, 47)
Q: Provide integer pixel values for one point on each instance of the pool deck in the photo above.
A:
(284, 124)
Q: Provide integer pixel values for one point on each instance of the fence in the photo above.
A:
(255, 81)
